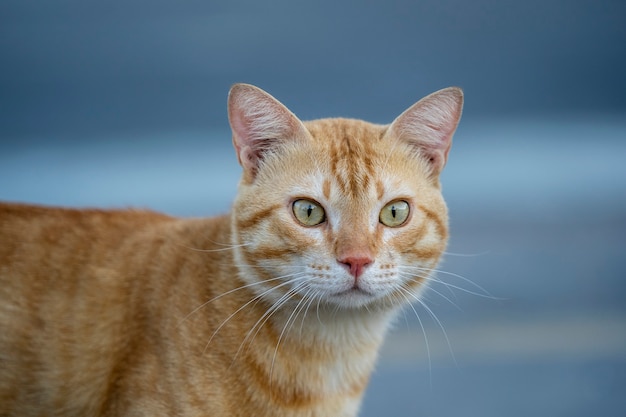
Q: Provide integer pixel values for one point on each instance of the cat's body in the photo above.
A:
(277, 309)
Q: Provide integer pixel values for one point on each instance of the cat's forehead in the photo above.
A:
(343, 133)
(351, 149)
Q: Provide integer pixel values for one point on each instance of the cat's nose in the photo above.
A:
(356, 264)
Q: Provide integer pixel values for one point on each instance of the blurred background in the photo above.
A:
(123, 103)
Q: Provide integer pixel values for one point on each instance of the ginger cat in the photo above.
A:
(276, 309)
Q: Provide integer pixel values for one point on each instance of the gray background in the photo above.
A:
(123, 104)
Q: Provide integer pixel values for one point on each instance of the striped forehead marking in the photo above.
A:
(351, 154)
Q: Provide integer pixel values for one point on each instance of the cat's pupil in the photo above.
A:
(309, 210)
(393, 211)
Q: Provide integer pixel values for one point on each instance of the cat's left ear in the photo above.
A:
(429, 124)
(260, 123)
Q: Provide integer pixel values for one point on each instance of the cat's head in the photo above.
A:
(340, 211)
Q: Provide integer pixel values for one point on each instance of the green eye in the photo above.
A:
(395, 213)
(308, 213)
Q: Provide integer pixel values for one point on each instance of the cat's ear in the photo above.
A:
(259, 123)
(429, 124)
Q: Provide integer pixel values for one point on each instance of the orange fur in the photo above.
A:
(111, 313)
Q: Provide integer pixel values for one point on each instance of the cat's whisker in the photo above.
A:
(456, 287)
(435, 318)
(294, 267)
(392, 300)
(253, 299)
(454, 304)
(253, 284)
(276, 306)
(287, 325)
(317, 310)
(312, 299)
(419, 320)
(431, 289)
(227, 247)
(432, 277)
(427, 275)
(296, 278)
(406, 320)
(317, 298)
(303, 305)
(453, 286)
(452, 274)
(267, 314)
(467, 255)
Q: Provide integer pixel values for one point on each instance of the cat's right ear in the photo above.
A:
(259, 123)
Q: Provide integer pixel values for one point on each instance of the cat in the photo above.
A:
(276, 309)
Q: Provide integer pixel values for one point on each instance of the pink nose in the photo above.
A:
(356, 264)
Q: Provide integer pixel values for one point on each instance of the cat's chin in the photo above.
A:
(354, 298)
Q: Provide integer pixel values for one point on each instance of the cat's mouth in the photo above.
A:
(354, 290)
(353, 297)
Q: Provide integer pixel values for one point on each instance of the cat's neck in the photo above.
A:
(336, 328)
(335, 352)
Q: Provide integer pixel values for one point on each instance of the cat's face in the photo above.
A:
(339, 211)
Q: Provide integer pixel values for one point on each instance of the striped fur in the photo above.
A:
(119, 313)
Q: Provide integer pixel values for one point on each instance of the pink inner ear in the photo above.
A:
(238, 125)
(429, 125)
(259, 123)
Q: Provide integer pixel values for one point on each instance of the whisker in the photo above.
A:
(257, 297)
(266, 316)
(434, 278)
(227, 246)
(305, 303)
(436, 319)
(431, 289)
(232, 291)
(467, 255)
(456, 287)
(395, 300)
(293, 315)
(317, 309)
(308, 307)
(296, 267)
(419, 320)
(302, 305)
(428, 271)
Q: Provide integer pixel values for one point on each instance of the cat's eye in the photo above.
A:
(395, 213)
(308, 213)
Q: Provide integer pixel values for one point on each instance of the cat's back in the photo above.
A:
(54, 225)
(75, 287)
(50, 243)
(57, 247)
(56, 295)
